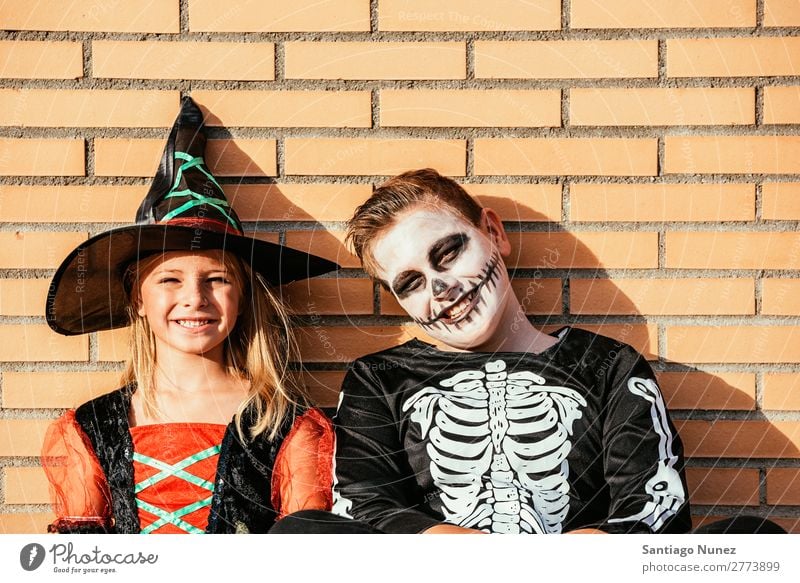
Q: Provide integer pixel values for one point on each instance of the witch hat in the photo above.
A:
(184, 210)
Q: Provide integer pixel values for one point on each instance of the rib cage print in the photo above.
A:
(498, 444)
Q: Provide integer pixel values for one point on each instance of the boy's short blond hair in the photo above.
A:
(399, 194)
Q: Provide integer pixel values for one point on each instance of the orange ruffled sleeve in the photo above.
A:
(79, 491)
(303, 473)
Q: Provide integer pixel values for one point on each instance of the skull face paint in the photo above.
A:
(447, 274)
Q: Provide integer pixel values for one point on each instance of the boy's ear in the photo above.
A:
(494, 227)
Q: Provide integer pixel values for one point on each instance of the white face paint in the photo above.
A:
(448, 274)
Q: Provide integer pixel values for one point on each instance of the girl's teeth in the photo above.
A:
(192, 323)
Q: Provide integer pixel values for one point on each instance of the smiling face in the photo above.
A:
(447, 273)
(191, 302)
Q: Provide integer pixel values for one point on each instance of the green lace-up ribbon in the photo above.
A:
(178, 471)
(197, 198)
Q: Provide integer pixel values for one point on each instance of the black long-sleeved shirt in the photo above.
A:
(576, 436)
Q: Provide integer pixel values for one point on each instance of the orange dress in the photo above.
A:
(174, 468)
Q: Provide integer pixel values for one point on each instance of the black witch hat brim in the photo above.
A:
(87, 293)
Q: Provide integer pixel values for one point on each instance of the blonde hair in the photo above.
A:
(258, 349)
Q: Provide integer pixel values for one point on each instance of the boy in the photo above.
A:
(496, 427)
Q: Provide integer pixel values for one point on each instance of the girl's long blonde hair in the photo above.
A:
(258, 349)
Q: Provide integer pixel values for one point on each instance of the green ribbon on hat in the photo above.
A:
(198, 199)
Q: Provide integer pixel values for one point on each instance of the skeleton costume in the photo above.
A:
(107, 476)
(576, 436)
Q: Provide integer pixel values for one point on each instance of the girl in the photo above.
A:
(207, 434)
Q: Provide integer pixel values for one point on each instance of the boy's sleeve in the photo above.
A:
(373, 481)
(643, 453)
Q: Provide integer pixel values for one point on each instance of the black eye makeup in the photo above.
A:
(407, 282)
(446, 250)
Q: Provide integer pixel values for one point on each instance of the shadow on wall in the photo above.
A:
(560, 281)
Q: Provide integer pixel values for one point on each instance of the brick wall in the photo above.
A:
(645, 155)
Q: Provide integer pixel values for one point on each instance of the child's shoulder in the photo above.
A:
(591, 341)
(109, 406)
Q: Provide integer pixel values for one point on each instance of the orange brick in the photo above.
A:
(242, 157)
(740, 439)
(69, 204)
(537, 297)
(732, 154)
(781, 201)
(373, 156)
(22, 437)
(662, 107)
(662, 202)
(662, 14)
(330, 296)
(221, 61)
(36, 342)
(295, 16)
(87, 108)
(558, 249)
(23, 297)
(566, 156)
(296, 202)
(159, 16)
(335, 109)
(733, 250)
(336, 202)
(727, 486)
(36, 250)
(781, 104)
(566, 59)
(780, 297)
(55, 390)
(468, 15)
(271, 237)
(471, 108)
(323, 387)
(135, 157)
(783, 486)
(696, 390)
(325, 243)
(733, 57)
(390, 305)
(344, 344)
(25, 522)
(26, 486)
(662, 297)
(520, 202)
(376, 60)
(112, 345)
(782, 391)
(781, 13)
(767, 344)
(22, 59)
(41, 157)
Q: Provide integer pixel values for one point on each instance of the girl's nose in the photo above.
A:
(194, 294)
